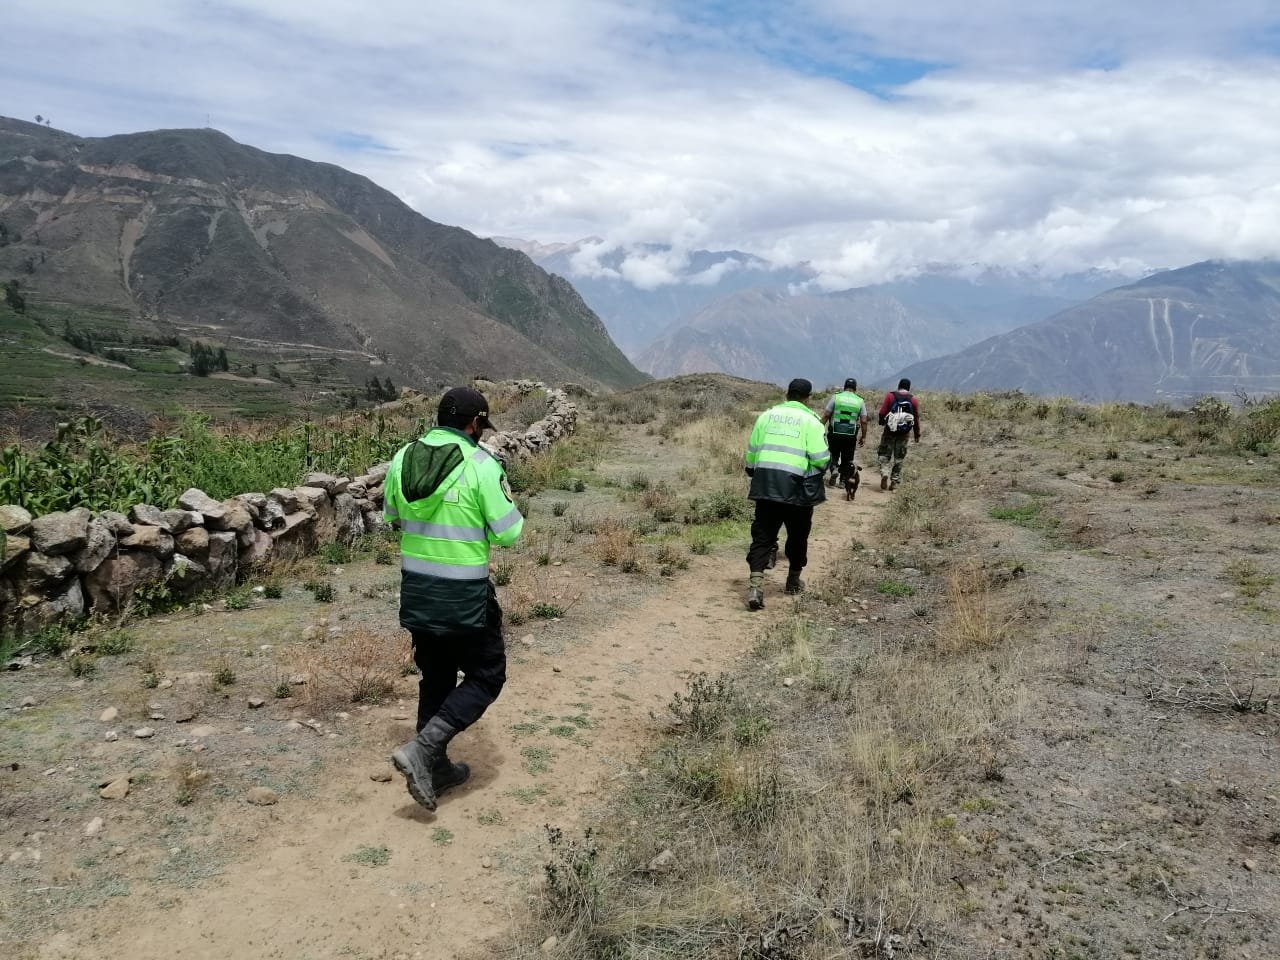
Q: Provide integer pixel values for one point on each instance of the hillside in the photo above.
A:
(189, 233)
(1210, 327)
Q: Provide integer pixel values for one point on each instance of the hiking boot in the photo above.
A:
(755, 599)
(794, 584)
(831, 480)
(893, 484)
(884, 482)
(417, 760)
(446, 774)
(773, 558)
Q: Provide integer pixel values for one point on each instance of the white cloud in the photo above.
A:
(629, 121)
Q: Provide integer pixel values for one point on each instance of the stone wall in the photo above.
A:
(64, 566)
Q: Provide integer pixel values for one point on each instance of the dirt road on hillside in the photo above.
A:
(358, 870)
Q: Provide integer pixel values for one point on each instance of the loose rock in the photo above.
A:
(256, 702)
(262, 796)
(108, 715)
(94, 827)
(144, 733)
(380, 776)
(111, 736)
(117, 789)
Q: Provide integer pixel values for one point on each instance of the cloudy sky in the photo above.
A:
(863, 136)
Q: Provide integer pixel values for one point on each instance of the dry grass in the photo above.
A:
(615, 543)
(976, 619)
(357, 667)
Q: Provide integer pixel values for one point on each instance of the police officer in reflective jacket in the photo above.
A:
(786, 458)
(451, 501)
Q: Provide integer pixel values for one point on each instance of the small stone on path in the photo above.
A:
(788, 681)
(108, 715)
(117, 789)
(527, 640)
(144, 733)
(28, 702)
(256, 702)
(380, 776)
(94, 827)
(203, 731)
(262, 796)
(550, 944)
(1251, 865)
(486, 863)
(111, 736)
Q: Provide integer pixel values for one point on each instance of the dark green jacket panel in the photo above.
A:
(436, 605)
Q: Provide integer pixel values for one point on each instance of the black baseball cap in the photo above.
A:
(800, 387)
(465, 403)
(851, 384)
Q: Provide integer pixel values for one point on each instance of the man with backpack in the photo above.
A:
(900, 417)
(846, 419)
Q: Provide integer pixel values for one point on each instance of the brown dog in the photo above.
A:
(851, 481)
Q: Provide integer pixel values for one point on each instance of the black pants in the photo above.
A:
(772, 517)
(480, 655)
(842, 449)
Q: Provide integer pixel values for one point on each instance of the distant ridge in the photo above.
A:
(1211, 327)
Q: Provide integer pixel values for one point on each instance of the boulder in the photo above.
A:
(348, 518)
(12, 549)
(253, 502)
(153, 539)
(35, 613)
(118, 523)
(373, 520)
(377, 473)
(325, 481)
(147, 515)
(14, 519)
(223, 554)
(187, 576)
(201, 502)
(316, 502)
(358, 489)
(296, 537)
(271, 516)
(259, 551)
(180, 520)
(235, 517)
(193, 543)
(41, 571)
(287, 498)
(118, 578)
(59, 533)
(99, 543)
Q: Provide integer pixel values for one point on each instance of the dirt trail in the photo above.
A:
(567, 724)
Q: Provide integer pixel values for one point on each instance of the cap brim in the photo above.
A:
(486, 423)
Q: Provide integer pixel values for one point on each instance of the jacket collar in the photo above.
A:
(457, 433)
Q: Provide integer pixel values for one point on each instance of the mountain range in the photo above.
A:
(1211, 327)
(188, 232)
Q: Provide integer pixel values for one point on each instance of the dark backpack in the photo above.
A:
(901, 416)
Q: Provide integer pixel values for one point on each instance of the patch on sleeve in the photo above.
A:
(506, 488)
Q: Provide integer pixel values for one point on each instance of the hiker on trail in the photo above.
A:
(451, 501)
(786, 458)
(846, 420)
(900, 417)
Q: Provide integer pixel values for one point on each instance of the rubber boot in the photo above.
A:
(447, 774)
(417, 759)
(794, 583)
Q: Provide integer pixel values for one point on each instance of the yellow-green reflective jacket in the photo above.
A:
(846, 409)
(787, 454)
(450, 499)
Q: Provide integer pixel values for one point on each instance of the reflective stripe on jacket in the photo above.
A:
(787, 454)
(449, 498)
(846, 409)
